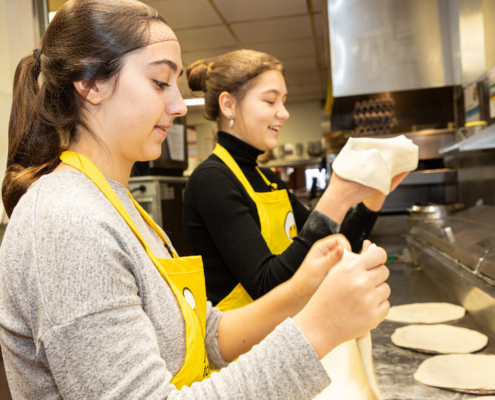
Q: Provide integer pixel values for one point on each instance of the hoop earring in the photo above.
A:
(231, 123)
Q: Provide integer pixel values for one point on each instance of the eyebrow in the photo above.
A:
(274, 91)
(173, 66)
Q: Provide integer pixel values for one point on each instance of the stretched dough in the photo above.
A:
(459, 372)
(374, 162)
(350, 365)
(445, 339)
(425, 313)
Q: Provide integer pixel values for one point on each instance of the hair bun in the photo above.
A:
(196, 75)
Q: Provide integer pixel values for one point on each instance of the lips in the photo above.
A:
(274, 128)
(162, 129)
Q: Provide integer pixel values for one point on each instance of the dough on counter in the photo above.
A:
(350, 365)
(460, 372)
(425, 313)
(444, 339)
(374, 162)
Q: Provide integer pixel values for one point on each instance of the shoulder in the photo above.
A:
(211, 173)
(66, 204)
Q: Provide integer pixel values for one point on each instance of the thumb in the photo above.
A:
(325, 246)
(333, 258)
(335, 255)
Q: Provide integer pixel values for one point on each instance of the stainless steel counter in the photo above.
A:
(395, 366)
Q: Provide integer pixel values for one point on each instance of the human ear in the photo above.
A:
(227, 104)
(89, 91)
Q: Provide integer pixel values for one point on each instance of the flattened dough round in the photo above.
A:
(425, 313)
(443, 339)
(459, 372)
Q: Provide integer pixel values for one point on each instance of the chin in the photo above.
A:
(151, 154)
(271, 144)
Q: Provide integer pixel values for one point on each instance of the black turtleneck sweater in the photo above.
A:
(222, 225)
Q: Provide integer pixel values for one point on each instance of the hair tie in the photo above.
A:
(37, 60)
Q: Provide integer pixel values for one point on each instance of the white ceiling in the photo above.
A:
(283, 28)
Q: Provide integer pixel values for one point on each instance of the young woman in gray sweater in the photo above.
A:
(95, 302)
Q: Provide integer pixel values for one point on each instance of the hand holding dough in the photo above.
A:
(350, 365)
(374, 162)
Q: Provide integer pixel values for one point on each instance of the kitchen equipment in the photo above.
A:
(162, 198)
(433, 214)
(315, 149)
(458, 253)
(471, 129)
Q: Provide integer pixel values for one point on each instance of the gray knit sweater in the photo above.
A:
(84, 314)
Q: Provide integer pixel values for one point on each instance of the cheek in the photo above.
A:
(142, 112)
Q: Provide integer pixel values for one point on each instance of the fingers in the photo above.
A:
(366, 245)
(378, 275)
(397, 179)
(383, 309)
(328, 244)
(383, 292)
(373, 258)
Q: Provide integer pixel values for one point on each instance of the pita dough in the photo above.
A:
(444, 339)
(350, 365)
(460, 372)
(425, 313)
(374, 162)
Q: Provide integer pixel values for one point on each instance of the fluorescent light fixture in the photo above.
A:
(51, 15)
(194, 102)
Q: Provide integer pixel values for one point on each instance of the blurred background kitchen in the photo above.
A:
(354, 68)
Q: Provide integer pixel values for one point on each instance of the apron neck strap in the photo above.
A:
(271, 185)
(84, 165)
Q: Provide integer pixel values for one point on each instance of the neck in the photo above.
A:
(110, 164)
(232, 131)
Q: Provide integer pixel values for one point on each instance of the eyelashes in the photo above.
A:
(161, 85)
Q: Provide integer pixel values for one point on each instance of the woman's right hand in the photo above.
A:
(351, 301)
(341, 195)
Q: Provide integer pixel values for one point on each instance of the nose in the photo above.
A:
(283, 114)
(177, 107)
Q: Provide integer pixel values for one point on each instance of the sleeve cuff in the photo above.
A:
(318, 226)
(363, 210)
(215, 359)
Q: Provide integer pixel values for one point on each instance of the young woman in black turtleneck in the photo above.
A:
(245, 93)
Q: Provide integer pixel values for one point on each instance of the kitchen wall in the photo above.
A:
(304, 125)
(489, 26)
(17, 38)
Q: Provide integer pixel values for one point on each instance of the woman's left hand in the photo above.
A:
(376, 200)
(323, 256)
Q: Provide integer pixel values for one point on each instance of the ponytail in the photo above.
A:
(85, 41)
(34, 146)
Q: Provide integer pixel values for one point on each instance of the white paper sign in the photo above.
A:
(175, 141)
(472, 103)
(491, 84)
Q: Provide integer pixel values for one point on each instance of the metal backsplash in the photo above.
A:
(389, 45)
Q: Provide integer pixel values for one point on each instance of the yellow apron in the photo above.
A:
(278, 225)
(184, 275)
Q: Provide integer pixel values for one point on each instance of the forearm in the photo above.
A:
(333, 207)
(239, 330)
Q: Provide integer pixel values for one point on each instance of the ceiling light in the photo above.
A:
(194, 102)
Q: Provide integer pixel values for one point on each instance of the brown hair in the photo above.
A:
(233, 72)
(85, 41)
